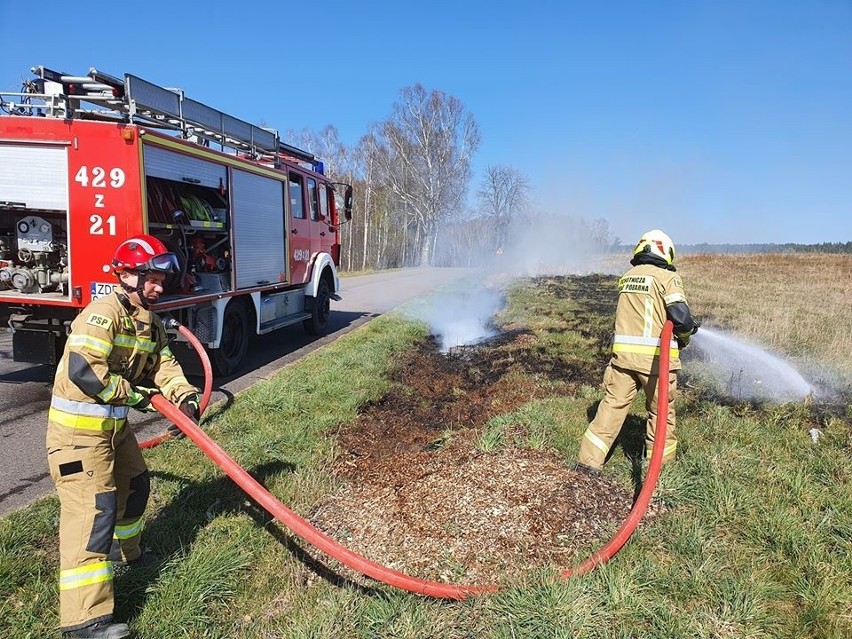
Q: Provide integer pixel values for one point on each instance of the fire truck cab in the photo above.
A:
(88, 161)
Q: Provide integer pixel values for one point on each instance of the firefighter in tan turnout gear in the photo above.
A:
(116, 356)
(648, 294)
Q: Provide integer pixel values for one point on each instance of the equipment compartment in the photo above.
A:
(33, 252)
(192, 221)
(33, 221)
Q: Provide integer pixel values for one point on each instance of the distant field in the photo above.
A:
(795, 304)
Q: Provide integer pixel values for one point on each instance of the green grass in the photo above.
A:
(758, 542)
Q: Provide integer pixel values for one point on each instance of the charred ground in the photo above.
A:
(424, 492)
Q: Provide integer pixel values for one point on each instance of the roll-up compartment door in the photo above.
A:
(258, 228)
(169, 165)
(34, 175)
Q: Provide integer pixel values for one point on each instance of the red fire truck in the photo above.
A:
(87, 161)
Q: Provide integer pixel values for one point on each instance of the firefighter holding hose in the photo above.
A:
(116, 357)
(648, 294)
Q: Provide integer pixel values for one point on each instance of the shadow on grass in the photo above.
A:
(177, 525)
(631, 440)
(318, 567)
(219, 407)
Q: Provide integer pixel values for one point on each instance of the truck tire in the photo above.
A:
(233, 347)
(320, 310)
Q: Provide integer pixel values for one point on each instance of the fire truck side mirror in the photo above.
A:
(347, 203)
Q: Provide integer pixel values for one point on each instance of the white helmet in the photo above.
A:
(657, 243)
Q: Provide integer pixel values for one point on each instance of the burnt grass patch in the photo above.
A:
(421, 495)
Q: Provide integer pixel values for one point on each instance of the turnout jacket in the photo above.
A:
(647, 296)
(113, 347)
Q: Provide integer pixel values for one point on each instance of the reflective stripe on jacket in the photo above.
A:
(643, 294)
(86, 415)
(642, 345)
(113, 347)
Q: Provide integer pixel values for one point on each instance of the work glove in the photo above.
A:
(190, 408)
(683, 338)
(696, 323)
(140, 399)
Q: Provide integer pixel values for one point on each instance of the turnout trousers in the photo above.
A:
(620, 388)
(103, 487)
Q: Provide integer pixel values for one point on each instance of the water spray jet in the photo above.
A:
(745, 371)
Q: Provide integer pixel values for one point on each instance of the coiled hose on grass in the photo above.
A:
(330, 546)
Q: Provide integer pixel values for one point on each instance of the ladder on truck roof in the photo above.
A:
(137, 101)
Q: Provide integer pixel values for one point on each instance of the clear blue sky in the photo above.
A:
(715, 121)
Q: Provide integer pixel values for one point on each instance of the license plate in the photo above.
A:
(101, 289)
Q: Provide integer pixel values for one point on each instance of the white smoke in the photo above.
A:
(459, 317)
(530, 245)
(533, 245)
(555, 245)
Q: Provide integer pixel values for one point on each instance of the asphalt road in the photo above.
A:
(25, 388)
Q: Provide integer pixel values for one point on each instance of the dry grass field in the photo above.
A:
(794, 304)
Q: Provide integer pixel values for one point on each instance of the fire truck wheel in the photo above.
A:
(320, 310)
(235, 339)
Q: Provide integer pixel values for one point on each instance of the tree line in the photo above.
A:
(411, 175)
(788, 247)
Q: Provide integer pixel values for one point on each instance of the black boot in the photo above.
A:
(147, 558)
(99, 630)
(586, 470)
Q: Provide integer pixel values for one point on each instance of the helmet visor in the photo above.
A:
(163, 263)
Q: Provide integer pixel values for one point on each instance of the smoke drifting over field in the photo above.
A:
(531, 246)
(555, 245)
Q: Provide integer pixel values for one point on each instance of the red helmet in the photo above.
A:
(144, 253)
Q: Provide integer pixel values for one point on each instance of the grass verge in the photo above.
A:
(757, 543)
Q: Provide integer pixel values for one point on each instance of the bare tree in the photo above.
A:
(428, 144)
(325, 145)
(504, 195)
(367, 162)
(340, 163)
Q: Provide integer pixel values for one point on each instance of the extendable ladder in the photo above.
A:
(137, 101)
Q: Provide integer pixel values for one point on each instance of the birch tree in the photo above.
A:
(326, 146)
(429, 141)
(372, 193)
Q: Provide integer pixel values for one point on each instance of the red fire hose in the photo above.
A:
(641, 504)
(306, 531)
(208, 380)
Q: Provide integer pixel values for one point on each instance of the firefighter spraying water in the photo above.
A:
(649, 294)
